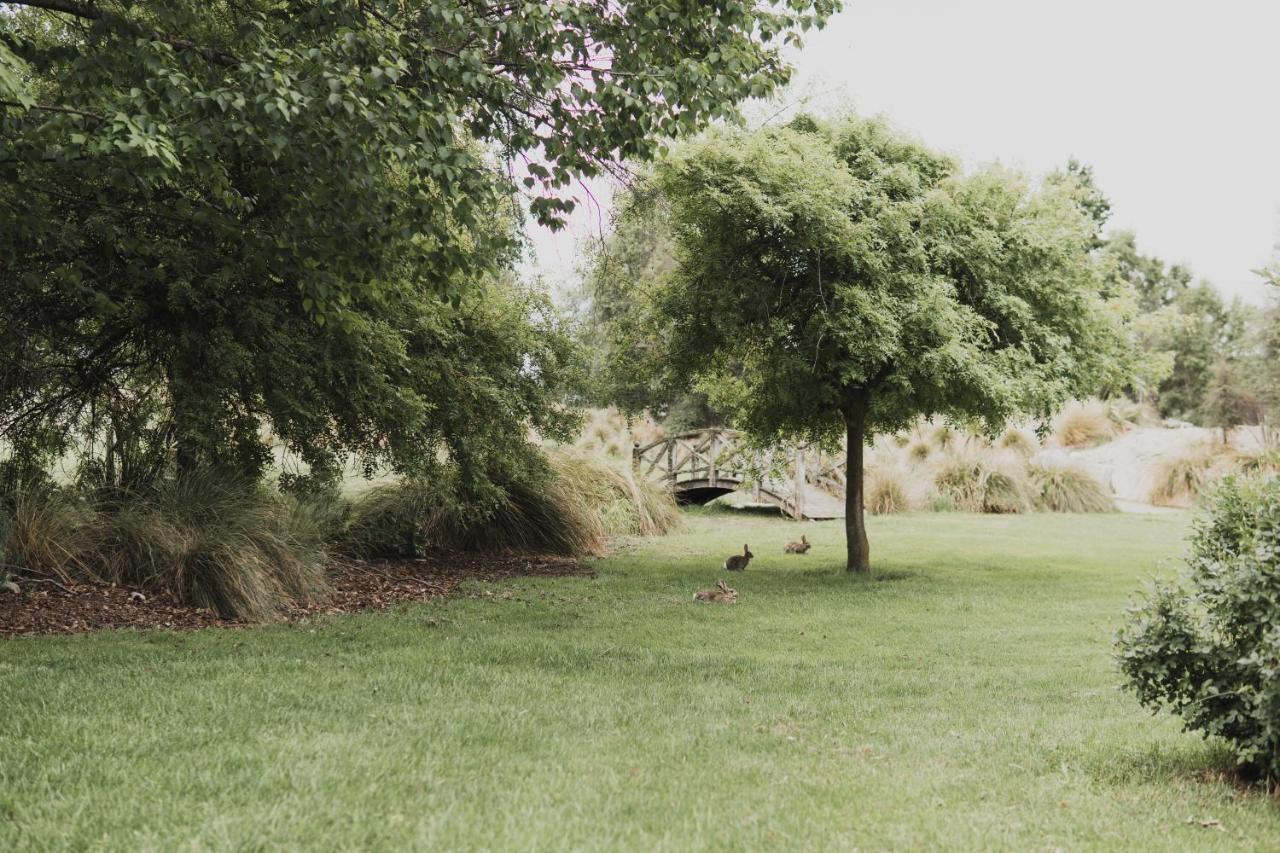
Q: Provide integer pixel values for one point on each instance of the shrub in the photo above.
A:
(1207, 647)
(984, 482)
(886, 492)
(1064, 489)
(1083, 424)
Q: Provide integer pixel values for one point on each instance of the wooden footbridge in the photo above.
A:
(701, 466)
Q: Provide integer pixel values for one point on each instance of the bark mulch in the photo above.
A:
(51, 607)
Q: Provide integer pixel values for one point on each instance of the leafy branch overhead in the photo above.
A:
(223, 220)
(167, 100)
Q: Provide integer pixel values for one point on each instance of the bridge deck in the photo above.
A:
(702, 465)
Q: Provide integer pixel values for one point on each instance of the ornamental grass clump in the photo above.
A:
(978, 481)
(1068, 489)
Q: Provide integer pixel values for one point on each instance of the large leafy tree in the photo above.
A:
(242, 208)
(839, 280)
(1185, 327)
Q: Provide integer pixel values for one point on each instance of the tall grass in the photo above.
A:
(1179, 480)
(234, 548)
(1083, 424)
(886, 491)
(977, 481)
(584, 502)
(1067, 489)
(1019, 441)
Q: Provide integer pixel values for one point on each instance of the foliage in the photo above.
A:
(1228, 402)
(984, 482)
(296, 217)
(217, 543)
(1183, 330)
(1067, 489)
(1208, 648)
(837, 279)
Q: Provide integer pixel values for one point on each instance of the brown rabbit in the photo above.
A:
(800, 547)
(722, 594)
(738, 562)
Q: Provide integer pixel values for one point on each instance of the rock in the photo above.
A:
(10, 586)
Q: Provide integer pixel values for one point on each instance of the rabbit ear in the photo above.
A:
(723, 586)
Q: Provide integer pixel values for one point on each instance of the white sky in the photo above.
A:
(1175, 104)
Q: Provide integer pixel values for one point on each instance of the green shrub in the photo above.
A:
(984, 482)
(1207, 648)
(1068, 490)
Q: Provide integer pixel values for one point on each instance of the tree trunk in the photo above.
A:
(855, 527)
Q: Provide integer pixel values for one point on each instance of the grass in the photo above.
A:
(1084, 424)
(964, 698)
(1067, 489)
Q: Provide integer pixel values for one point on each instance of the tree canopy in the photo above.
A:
(299, 216)
(838, 279)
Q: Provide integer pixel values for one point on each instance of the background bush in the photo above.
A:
(1207, 648)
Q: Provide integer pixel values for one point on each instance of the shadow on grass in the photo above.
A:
(716, 508)
(1197, 762)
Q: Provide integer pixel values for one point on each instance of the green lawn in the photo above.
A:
(964, 698)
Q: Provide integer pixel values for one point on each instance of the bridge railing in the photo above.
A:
(724, 458)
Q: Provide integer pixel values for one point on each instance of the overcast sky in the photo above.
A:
(1175, 104)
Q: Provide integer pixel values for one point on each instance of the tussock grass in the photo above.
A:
(45, 531)
(1179, 480)
(1019, 441)
(1084, 424)
(217, 543)
(576, 510)
(1068, 489)
(885, 491)
(919, 450)
(984, 482)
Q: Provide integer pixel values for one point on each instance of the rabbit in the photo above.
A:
(800, 547)
(722, 594)
(738, 562)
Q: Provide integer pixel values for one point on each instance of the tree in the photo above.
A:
(837, 279)
(635, 256)
(1228, 402)
(1182, 330)
(1089, 196)
(299, 215)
